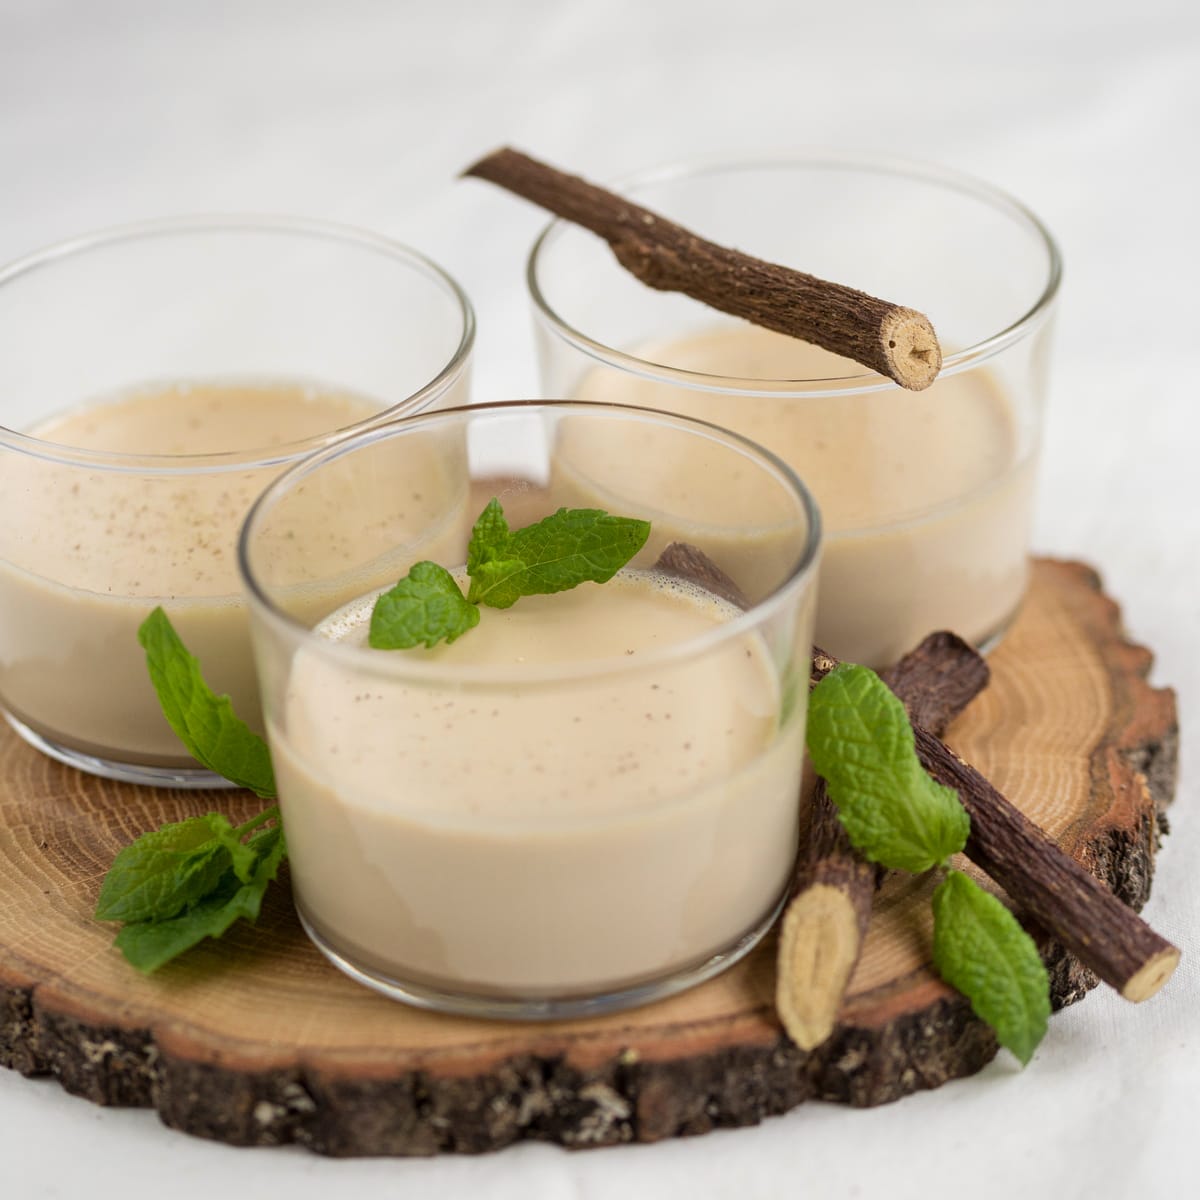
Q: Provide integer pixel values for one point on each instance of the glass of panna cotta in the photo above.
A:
(590, 799)
(153, 380)
(927, 497)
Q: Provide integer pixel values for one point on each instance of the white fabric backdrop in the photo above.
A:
(363, 112)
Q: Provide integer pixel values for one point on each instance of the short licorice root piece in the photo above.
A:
(825, 923)
(1103, 932)
(820, 942)
(896, 341)
(686, 561)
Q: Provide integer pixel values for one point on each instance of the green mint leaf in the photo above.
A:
(573, 546)
(425, 607)
(163, 872)
(488, 536)
(240, 856)
(149, 944)
(860, 741)
(980, 948)
(497, 582)
(203, 721)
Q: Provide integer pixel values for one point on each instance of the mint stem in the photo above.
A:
(269, 814)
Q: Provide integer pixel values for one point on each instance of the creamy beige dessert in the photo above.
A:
(566, 800)
(926, 497)
(86, 553)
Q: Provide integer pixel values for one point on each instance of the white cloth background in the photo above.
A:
(363, 112)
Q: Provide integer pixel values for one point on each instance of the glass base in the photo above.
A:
(551, 1008)
(986, 644)
(139, 773)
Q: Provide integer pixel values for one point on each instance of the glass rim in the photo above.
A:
(812, 158)
(239, 223)
(396, 665)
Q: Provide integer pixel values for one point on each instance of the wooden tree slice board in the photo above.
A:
(256, 1040)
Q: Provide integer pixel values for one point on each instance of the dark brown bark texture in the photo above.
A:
(889, 338)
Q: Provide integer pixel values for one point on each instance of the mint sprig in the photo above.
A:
(980, 948)
(203, 721)
(565, 549)
(426, 606)
(861, 742)
(149, 944)
(570, 547)
(193, 879)
(164, 872)
(187, 881)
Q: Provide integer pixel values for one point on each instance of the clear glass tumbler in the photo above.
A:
(927, 496)
(153, 380)
(590, 799)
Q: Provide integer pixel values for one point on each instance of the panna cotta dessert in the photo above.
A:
(155, 379)
(927, 497)
(96, 549)
(588, 797)
(608, 798)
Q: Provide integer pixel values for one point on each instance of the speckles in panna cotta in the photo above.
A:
(582, 717)
(96, 548)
